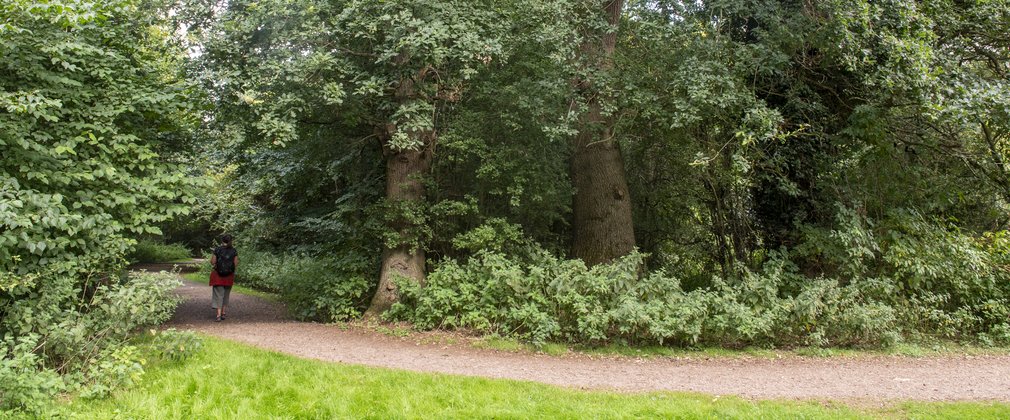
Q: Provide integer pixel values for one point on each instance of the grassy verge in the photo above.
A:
(199, 277)
(231, 380)
(937, 349)
(905, 350)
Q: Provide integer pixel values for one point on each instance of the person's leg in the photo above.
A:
(217, 300)
(224, 301)
(214, 297)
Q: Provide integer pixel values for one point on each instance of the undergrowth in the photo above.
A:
(320, 288)
(875, 287)
(151, 251)
(53, 343)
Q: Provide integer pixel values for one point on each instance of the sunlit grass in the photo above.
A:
(230, 380)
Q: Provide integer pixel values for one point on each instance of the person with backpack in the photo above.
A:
(222, 275)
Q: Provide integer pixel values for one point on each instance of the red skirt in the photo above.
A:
(219, 280)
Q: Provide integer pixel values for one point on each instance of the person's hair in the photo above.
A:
(226, 240)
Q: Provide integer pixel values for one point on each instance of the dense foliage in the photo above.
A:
(929, 280)
(315, 287)
(830, 173)
(791, 173)
(86, 109)
(150, 250)
(55, 342)
(89, 109)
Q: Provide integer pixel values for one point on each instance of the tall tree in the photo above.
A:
(413, 59)
(602, 226)
(386, 71)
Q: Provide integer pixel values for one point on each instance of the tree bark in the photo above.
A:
(404, 172)
(602, 218)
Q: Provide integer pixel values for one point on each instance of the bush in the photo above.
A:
(174, 345)
(564, 300)
(322, 288)
(148, 251)
(863, 284)
(940, 280)
(116, 367)
(23, 386)
(67, 333)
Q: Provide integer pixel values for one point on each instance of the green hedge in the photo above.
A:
(320, 288)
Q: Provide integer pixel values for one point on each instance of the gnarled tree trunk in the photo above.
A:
(602, 227)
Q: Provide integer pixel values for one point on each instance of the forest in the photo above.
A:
(728, 173)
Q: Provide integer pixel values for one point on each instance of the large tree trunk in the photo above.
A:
(602, 225)
(404, 173)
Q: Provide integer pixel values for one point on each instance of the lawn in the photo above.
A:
(231, 380)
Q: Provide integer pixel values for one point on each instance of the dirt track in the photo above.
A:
(873, 379)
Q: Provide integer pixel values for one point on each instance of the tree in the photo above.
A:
(387, 71)
(602, 226)
(414, 59)
(697, 127)
(94, 125)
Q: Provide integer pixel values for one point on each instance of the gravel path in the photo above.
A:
(870, 379)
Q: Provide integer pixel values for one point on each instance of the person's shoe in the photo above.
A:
(224, 317)
(218, 319)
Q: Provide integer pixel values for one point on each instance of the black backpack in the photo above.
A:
(225, 265)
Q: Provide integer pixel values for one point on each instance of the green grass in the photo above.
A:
(936, 349)
(501, 344)
(512, 345)
(201, 277)
(231, 380)
(393, 330)
(950, 411)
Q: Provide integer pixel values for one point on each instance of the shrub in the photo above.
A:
(23, 386)
(147, 251)
(553, 299)
(65, 333)
(116, 367)
(174, 345)
(863, 283)
(322, 288)
(939, 280)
